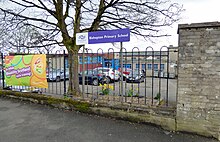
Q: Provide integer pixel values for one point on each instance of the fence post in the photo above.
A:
(83, 73)
(121, 59)
(64, 71)
(168, 62)
(3, 76)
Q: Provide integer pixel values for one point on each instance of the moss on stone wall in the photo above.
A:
(48, 100)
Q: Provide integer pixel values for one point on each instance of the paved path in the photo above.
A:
(25, 122)
(58, 88)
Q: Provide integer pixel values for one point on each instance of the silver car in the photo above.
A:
(136, 76)
(57, 74)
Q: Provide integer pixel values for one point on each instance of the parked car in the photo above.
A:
(53, 75)
(93, 77)
(135, 76)
(56, 74)
(62, 73)
(171, 75)
(118, 73)
(159, 74)
(126, 72)
(110, 73)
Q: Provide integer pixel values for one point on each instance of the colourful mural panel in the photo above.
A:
(26, 70)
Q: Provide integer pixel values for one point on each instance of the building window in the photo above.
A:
(66, 63)
(156, 67)
(161, 67)
(137, 66)
(88, 60)
(80, 60)
(143, 66)
(127, 66)
(94, 59)
(99, 59)
(149, 66)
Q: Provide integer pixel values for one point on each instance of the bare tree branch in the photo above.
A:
(56, 21)
(27, 18)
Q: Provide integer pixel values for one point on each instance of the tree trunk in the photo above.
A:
(73, 49)
(74, 89)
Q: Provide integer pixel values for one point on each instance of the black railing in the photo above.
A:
(146, 76)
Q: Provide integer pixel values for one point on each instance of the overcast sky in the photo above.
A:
(195, 11)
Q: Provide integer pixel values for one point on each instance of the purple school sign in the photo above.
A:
(107, 36)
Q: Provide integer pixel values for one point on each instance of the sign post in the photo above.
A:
(106, 36)
(83, 72)
(121, 66)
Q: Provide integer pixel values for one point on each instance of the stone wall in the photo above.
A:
(198, 108)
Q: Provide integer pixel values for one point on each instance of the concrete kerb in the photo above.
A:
(163, 117)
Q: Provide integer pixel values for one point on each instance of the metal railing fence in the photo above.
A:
(148, 78)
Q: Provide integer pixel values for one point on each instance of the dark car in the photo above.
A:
(135, 76)
(93, 77)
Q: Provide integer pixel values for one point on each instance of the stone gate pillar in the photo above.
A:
(198, 99)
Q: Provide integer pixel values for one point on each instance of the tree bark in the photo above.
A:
(73, 89)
